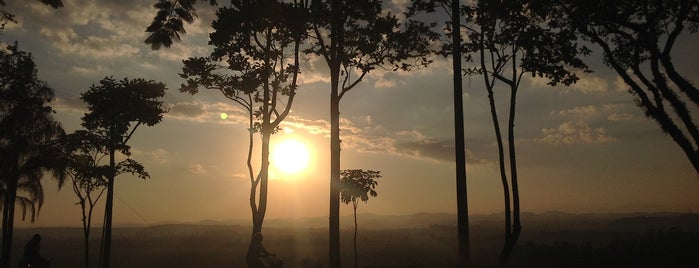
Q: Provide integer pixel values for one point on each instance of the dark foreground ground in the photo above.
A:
(422, 240)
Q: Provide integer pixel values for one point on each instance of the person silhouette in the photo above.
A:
(258, 256)
(32, 257)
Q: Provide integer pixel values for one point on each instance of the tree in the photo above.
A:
(637, 40)
(116, 108)
(356, 185)
(27, 151)
(459, 142)
(255, 63)
(510, 39)
(84, 154)
(354, 38)
(452, 9)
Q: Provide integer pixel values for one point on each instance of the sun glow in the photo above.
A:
(290, 156)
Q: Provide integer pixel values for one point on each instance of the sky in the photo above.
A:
(582, 149)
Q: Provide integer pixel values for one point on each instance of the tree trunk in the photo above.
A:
(107, 228)
(334, 232)
(511, 238)
(356, 258)
(336, 36)
(264, 182)
(459, 139)
(86, 229)
(503, 170)
(87, 248)
(8, 221)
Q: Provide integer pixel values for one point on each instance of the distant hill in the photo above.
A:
(549, 220)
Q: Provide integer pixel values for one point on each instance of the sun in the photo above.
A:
(290, 156)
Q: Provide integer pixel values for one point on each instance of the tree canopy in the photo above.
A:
(637, 39)
(27, 148)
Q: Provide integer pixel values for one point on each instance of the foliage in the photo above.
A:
(168, 23)
(366, 39)
(84, 152)
(358, 185)
(255, 63)
(354, 38)
(115, 105)
(27, 148)
(116, 108)
(637, 40)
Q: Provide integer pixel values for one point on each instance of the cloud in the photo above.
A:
(187, 109)
(196, 169)
(616, 117)
(579, 111)
(159, 155)
(69, 105)
(577, 132)
(610, 112)
(202, 112)
(383, 83)
(589, 84)
(311, 126)
(438, 150)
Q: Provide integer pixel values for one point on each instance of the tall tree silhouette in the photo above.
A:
(85, 154)
(459, 141)
(27, 150)
(508, 39)
(637, 39)
(116, 108)
(357, 185)
(354, 38)
(453, 47)
(255, 63)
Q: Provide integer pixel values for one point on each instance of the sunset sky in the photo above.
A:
(584, 148)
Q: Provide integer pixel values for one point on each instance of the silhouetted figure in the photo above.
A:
(259, 257)
(32, 258)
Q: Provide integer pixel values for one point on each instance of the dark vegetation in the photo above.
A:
(421, 240)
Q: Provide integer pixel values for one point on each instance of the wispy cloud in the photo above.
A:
(196, 168)
(589, 84)
(575, 132)
(159, 155)
(199, 111)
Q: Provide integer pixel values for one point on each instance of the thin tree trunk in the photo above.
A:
(107, 228)
(334, 232)
(253, 182)
(86, 232)
(511, 241)
(459, 139)
(264, 182)
(8, 221)
(356, 258)
(336, 36)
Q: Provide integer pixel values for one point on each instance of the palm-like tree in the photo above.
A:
(357, 185)
(27, 147)
(31, 203)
